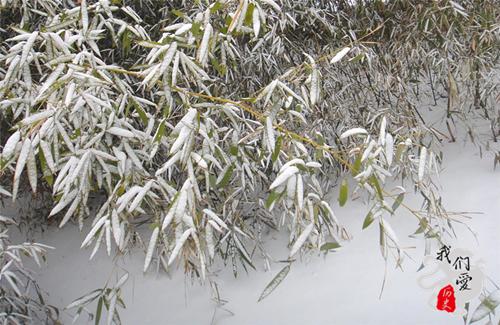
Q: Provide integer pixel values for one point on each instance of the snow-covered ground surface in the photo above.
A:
(341, 288)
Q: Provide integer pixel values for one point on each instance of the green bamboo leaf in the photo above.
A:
(138, 108)
(233, 150)
(375, 183)
(227, 177)
(126, 42)
(215, 7)
(249, 15)
(329, 246)
(196, 29)
(356, 167)
(159, 132)
(277, 149)
(368, 220)
(47, 174)
(273, 196)
(343, 192)
(275, 282)
(398, 202)
(98, 312)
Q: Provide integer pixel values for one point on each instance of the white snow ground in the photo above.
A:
(342, 288)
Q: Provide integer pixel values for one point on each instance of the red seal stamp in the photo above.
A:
(446, 299)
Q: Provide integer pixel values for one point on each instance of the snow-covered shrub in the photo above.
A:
(202, 125)
(20, 297)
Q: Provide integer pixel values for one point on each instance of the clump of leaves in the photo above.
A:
(107, 299)
(212, 122)
(21, 300)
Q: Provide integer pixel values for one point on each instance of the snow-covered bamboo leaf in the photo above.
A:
(340, 55)
(421, 163)
(283, 176)
(351, 132)
(120, 132)
(21, 162)
(179, 245)
(301, 239)
(93, 231)
(151, 247)
(10, 145)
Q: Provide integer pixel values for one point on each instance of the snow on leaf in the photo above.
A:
(179, 245)
(63, 202)
(203, 49)
(51, 79)
(27, 47)
(120, 132)
(272, 4)
(209, 237)
(48, 156)
(71, 210)
(115, 224)
(421, 163)
(301, 239)
(300, 192)
(138, 198)
(37, 117)
(256, 21)
(31, 167)
(215, 217)
(151, 247)
(313, 164)
(21, 162)
(84, 16)
(283, 176)
(340, 55)
(270, 133)
(389, 149)
(10, 145)
(93, 231)
(184, 28)
(107, 229)
(351, 132)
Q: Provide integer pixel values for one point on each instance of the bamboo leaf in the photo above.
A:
(398, 201)
(487, 306)
(301, 239)
(151, 247)
(422, 163)
(340, 55)
(351, 132)
(368, 220)
(329, 246)
(227, 177)
(98, 311)
(10, 145)
(283, 176)
(275, 282)
(343, 192)
(32, 170)
(21, 162)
